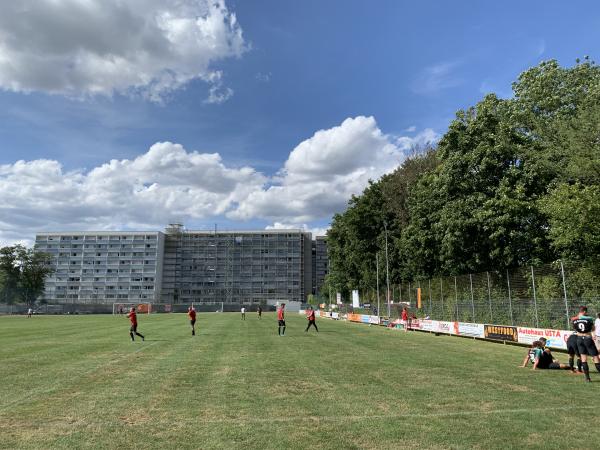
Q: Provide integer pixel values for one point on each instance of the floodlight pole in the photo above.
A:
(387, 270)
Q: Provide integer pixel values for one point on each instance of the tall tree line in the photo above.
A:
(512, 182)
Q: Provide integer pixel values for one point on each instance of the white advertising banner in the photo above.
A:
(374, 320)
(428, 325)
(555, 338)
(471, 329)
(335, 315)
(355, 299)
(445, 327)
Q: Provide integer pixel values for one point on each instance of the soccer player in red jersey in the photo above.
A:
(133, 319)
(311, 319)
(281, 320)
(192, 315)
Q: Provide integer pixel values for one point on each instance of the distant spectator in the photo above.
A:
(243, 313)
(405, 319)
(29, 313)
(259, 311)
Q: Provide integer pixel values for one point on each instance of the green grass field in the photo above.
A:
(79, 382)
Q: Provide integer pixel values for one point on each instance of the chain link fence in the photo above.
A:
(542, 297)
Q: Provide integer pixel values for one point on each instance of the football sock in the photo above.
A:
(586, 370)
(131, 334)
(597, 366)
(579, 365)
(571, 366)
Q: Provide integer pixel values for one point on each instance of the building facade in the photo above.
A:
(95, 267)
(321, 262)
(179, 266)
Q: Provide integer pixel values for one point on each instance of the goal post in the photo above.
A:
(123, 308)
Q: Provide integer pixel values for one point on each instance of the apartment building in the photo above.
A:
(178, 266)
(95, 267)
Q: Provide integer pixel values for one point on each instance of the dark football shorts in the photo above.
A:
(133, 328)
(572, 345)
(282, 323)
(554, 366)
(586, 346)
(193, 322)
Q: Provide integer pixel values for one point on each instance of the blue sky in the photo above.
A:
(311, 99)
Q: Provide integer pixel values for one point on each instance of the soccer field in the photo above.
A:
(79, 382)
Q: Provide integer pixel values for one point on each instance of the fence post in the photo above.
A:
(456, 298)
(537, 322)
(472, 299)
(490, 297)
(512, 320)
(430, 302)
(562, 271)
(442, 295)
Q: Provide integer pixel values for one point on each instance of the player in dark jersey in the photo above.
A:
(281, 320)
(572, 350)
(541, 357)
(259, 311)
(583, 326)
(133, 319)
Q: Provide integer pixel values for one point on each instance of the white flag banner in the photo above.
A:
(355, 299)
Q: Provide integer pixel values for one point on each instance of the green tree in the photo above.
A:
(24, 272)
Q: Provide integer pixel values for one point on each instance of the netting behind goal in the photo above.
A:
(141, 308)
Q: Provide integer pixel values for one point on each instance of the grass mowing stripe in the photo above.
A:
(296, 419)
(237, 384)
(60, 383)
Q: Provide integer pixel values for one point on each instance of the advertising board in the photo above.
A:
(554, 338)
(471, 329)
(501, 332)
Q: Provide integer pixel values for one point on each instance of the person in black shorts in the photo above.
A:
(583, 326)
(281, 320)
(541, 357)
(259, 311)
(572, 350)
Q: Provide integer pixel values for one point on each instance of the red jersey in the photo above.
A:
(311, 314)
(132, 317)
(280, 314)
(404, 315)
(192, 314)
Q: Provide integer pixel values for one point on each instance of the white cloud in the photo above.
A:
(323, 172)
(88, 47)
(437, 77)
(421, 139)
(316, 231)
(168, 182)
(145, 192)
